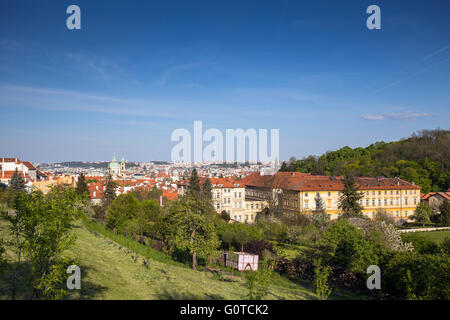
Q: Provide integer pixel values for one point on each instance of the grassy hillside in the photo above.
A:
(111, 271)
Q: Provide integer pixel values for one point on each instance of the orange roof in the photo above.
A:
(306, 182)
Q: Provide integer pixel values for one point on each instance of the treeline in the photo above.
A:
(423, 158)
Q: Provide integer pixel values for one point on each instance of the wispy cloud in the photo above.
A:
(395, 116)
(169, 73)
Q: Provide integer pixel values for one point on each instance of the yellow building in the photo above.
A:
(304, 193)
(46, 185)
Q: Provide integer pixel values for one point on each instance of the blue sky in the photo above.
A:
(137, 70)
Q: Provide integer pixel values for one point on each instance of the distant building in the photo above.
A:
(9, 165)
(228, 195)
(435, 199)
(115, 168)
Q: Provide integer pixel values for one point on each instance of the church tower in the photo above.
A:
(122, 164)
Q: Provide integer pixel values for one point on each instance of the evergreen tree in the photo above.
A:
(444, 217)
(207, 189)
(349, 199)
(17, 183)
(194, 182)
(82, 187)
(109, 191)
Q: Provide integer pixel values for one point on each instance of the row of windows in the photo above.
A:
(236, 194)
(393, 214)
(391, 202)
(239, 217)
(373, 192)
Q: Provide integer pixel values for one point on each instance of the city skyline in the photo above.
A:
(133, 74)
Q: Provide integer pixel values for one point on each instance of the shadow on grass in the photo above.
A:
(165, 294)
(89, 290)
(24, 286)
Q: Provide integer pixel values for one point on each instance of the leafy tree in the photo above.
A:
(423, 213)
(349, 199)
(17, 183)
(225, 216)
(415, 276)
(82, 187)
(343, 244)
(40, 230)
(188, 227)
(382, 215)
(122, 209)
(444, 217)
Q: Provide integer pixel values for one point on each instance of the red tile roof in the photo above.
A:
(306, 182)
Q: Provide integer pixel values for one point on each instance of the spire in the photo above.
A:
(114, 157)
(123, 158)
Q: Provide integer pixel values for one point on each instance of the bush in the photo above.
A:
(412, 275)
(343, 244)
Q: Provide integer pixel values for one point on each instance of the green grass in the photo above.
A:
(111, 270)
(437, 236)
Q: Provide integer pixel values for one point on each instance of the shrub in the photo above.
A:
(412, 275)
(322, 273)
(343, 244)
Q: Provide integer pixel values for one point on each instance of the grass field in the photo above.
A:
(436, 236)
(112, 271)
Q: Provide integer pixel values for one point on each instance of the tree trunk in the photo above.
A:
(194, 261)
(194, 254)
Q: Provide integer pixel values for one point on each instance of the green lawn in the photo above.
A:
(111, 271)
(437, 236)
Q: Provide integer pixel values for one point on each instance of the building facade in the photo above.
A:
(303, 193)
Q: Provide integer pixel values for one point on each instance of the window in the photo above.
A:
(373, 202)
(257, 206)
(385, 202)
(392, 201)
(373, 193)
(415, 201)
(251, 205)
(240, 194)
(367, 202)
(385, 191)
(397, 201)
(379, 202)
(392, 192)
(397, 192)
(361, 202)
(406, 201)
(235, 194)
(379, 193)
(306, 194)
(396, 213)
(218, 206)
(306, 204)
(406, 213)
(329, 193)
